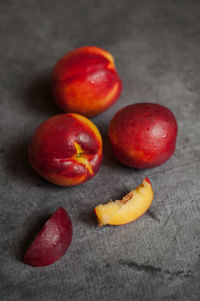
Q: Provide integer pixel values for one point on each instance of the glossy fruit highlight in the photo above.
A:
(85, 81)
(143, 135)
(66, 149)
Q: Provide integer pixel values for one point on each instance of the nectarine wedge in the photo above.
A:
(52, 241)
(131, 207)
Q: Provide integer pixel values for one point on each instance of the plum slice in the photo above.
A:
(52, 241)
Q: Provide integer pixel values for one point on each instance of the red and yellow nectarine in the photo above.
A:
(143, 135)
(66, 149)
(131, 207)
(85, 81)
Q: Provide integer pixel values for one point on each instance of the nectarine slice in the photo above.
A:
(131, 207)
(52, 241)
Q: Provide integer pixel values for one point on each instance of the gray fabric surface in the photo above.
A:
(156, 45)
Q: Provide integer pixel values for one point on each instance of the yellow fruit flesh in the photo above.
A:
(82, 158)
(131, 207)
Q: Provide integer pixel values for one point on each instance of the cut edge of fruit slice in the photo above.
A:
(131, 207)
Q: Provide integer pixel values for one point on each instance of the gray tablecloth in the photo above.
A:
(156, 45)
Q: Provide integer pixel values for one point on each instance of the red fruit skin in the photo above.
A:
(52, 241)
(147, 180)
(53, 153)
(85, 81)
(143, 135)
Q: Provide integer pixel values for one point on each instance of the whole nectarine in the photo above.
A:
(143, 135)
(66, 149)
(52, 241)
(85, 81)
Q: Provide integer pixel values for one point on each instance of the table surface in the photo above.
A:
(156, 45)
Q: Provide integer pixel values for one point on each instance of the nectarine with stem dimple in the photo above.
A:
(66, 149)
(143, 135)
(52, 241)
(85, 81)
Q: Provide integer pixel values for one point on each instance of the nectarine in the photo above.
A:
(66, 149)
(52, 241)
(143, 135)
(131, 207)
(85, 81)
